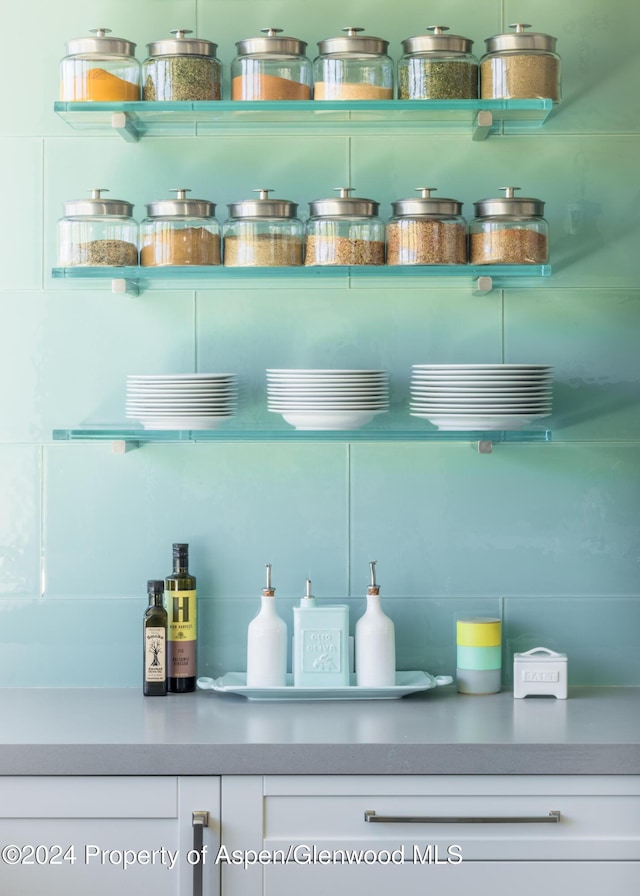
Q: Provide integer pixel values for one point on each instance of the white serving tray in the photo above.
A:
(406, 683)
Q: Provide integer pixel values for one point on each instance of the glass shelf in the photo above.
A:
(134, 436)
(133, 120)
(136, 279)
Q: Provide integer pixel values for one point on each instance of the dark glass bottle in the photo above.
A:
(154, 650)
(180, 604)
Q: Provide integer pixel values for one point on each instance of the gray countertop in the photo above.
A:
(120, 732)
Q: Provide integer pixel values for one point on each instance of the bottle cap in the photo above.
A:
(180, 550)
(155, 586)
(373, 587)
(268, 590)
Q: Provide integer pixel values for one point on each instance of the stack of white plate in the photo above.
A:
(328, 399)
(182, 400)
(481, 396)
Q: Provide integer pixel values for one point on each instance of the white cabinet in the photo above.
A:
(109, 836)
(449, 832)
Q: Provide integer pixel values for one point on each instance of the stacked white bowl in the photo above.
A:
(481, 396)
(327, 399)
(182, 400)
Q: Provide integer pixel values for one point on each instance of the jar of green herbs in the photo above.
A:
(181, 68)
(437, 66)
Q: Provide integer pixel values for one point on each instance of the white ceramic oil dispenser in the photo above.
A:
(320, 643)
(375, 642)
(267, 643)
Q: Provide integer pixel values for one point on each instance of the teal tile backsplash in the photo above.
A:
(543, 535)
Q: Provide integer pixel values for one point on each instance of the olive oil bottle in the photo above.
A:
(154, 649)
(180, 604)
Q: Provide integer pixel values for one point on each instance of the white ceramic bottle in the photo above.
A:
(267, 643)
(375, 642)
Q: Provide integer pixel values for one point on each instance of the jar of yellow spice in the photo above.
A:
(100, 69)
(180, 232)
(353, 67)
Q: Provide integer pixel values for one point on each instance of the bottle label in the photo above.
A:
(155, 654)
(321, 650)
(181, 609)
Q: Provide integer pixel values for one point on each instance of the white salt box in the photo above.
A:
(540, 671)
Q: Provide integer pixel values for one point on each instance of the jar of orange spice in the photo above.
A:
(100, 69)
(272, 67)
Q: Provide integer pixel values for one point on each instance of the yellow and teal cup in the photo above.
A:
(479, 655)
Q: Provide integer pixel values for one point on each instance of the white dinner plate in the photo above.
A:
(481, 422)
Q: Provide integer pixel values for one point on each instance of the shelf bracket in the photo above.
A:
(483, 124)
(485, 447)
(483, 286)
(123, 124)
(123, 446)
(122, 286)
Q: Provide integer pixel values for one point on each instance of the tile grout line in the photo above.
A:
(348, 508)
(42, 520)
(42, 232)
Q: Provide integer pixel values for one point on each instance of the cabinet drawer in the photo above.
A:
(599, 815)
(88, 797)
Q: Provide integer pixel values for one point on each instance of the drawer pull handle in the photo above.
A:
(552, 818)
(199, 820)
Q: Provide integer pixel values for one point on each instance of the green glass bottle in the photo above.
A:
(180, 604)
(154, 678)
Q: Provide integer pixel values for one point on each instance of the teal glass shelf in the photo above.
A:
(133, 120)
(225, 433)
(208, 277)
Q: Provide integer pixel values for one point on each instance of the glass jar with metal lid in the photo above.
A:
(509, 230)
(181, 68)
(426, 230)
(180, 231)
(271, 68)
(353, 67)
(437, 66)
(263, 232)
(100, 69)
(96, 232)
(520, 65)
(344, 230)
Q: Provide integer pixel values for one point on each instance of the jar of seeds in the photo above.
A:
(100, 69)
(353, 67)
(426, 230)
(344, 230)
(520, 65)
(263, 232)
(180, 231)
(181, 68)
(509, 230)
(96, 232)
(437, 66)
(271, 68)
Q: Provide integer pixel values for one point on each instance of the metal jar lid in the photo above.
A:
(109, 46)
(181, 207)
(271, 44)
(98, 206)
(510, 205)
(437, 42)
(426, 205)
(353, 43)
(182, 46)
(263, 207)
(521, 40)
(344, 206)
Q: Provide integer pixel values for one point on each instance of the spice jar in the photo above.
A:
(181, 68)
(437, 66)
(344, 230)
(263, 232)
(100, 69)
(271, 68)
(98, 232)
(353, 67)
(426, 230)
(520, 65)
(180, 231)
(509, 230)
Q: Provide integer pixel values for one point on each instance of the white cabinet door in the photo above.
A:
(451, 832)
(499, 878)
(108, 836)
